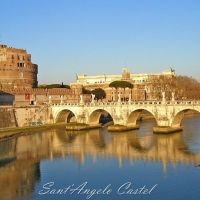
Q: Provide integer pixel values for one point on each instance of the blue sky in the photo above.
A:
(69, 37)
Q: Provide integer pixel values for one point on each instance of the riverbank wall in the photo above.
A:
(23, 116)
(7, 118)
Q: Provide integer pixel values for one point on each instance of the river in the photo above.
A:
(97, 164)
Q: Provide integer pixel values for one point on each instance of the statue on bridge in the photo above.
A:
(129, 99)
(93, 96)
(163, 96)
(173, 96)
(81, 99)
(61, 99)
(119, 97)
(50, 100)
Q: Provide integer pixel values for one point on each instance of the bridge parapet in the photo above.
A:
(130, 103)
(187, 102)
(109, 103)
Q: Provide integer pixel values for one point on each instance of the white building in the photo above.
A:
(106, 79)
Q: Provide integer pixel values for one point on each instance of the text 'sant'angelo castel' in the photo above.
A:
(16, 69)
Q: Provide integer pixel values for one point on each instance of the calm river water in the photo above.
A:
(97, 164)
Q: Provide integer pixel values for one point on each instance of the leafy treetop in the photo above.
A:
(99, 93)
(55, 86)
(121, 84)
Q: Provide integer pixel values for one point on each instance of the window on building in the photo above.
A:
(20, 64)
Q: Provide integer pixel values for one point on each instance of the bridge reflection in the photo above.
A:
(20, 157)
(157, 148)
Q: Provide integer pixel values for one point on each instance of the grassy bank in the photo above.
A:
(118, 127)
(80, 126)
(6, 133)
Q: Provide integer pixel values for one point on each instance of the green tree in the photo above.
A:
(121, 84)
(99, 93)
(55, 86)
(52, 86)
(85, 91)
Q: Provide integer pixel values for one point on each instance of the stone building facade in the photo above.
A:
(125, 75)
(18, 82)
(140, 91)
(16, 69)
(39, 96)
(137, 93)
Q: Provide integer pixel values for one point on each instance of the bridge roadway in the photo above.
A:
(168, 114)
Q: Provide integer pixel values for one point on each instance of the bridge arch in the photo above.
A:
(95, 115)
(179, 116)
(65, 115)
(133, 116)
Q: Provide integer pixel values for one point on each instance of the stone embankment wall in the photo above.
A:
(24, 116)
(7, 118)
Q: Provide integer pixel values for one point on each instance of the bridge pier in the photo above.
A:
(165, 126)
(166, 129)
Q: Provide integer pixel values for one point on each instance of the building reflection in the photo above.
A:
(20, 157)
(18, 178)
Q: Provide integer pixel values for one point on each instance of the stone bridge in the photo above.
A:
(168, 114)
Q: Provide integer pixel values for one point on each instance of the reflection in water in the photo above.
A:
(20, 157)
